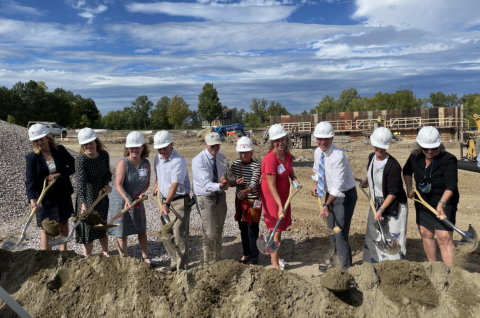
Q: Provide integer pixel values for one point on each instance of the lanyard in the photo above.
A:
(430, 170)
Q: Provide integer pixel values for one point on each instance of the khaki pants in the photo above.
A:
(177, 244)
(213, 219)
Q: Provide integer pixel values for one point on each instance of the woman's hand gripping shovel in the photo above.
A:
(168, 227)
(388, 246)
(84, 217)
(325, 228)
(267, 245)
(469, 237)
(20, 244)
(119, 214)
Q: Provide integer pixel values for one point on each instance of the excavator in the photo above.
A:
(472, 144)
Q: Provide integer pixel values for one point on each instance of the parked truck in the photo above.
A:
(53, 127)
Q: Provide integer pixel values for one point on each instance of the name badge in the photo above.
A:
(142, 172)
(280, 169)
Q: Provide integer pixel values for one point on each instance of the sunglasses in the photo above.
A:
(427, 149)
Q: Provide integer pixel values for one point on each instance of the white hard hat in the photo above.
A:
(86, 135)
(37, 131)
(213, 139)
(381, 138)
(244, 144)
(324, 130)
(162, 139)
(276, 131)
(429, 137)
(134, 139)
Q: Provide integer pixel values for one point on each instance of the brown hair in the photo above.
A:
(417, 149)
(100, 146)
(51, 144)
(288, 145)
(144, 155)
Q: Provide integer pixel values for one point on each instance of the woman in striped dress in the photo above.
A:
(246, 177)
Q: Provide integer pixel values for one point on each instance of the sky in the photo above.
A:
(289, 51)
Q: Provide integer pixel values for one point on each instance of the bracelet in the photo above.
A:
(444, 204)
(167, 204)
(328, 205)
(381, 210)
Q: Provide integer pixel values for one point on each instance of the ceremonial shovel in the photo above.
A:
(469, 237)
(62, 240)
(267, 245)
(390, 247)
(110, 224)
(14, 247)
(326, 229)
(168, 226)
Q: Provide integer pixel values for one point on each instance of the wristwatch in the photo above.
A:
(381, 210)
(328, 205)
(444, 204)
(167, 204)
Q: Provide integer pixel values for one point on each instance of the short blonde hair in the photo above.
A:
(288, 145)
(417, 149)
(51, 144)
(100, 146)
(144, 155)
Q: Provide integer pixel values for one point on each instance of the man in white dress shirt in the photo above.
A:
(209, 187)
(335, 180)
(174, 185)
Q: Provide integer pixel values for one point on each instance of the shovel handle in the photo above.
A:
(42, 195)
(428, 206)
(368, 196)
(126, 209)
(101, 195)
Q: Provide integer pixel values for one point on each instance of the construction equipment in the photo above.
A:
(265, 244)
(472, 144)
(14, 247)
(300, 139)
(223, 130)
(469, 237)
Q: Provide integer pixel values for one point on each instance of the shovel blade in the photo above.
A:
(105, 227)
(391, 248)
(13, 247)
(59, 240)
(264, 247)
(471, 239)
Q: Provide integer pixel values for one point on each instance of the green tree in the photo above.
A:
(345, 99)
(194, 119)
(275, 109)
(209, 105)
(141, 108)
(326, 105)
(178, 111)
(437, 99)
(158, 115)
(241, 116)
(259, 109)
(452, 100)
(85, 121)
(11, 119)
(251, 120)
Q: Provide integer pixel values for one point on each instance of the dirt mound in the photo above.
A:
(91, 218)
(64, 284)
(50, 227)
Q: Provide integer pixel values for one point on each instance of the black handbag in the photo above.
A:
(392, 209)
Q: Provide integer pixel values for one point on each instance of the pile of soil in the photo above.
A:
(336, 280)
(64, 284)
(164, 230)
(90, 218)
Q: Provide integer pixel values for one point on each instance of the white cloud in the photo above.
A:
(15, 33)
(12, 7)
(87, 12)
(243, 11)
(431, 15)
(146, 50)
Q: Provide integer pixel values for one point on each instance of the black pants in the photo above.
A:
(341, 215)
(249, 234)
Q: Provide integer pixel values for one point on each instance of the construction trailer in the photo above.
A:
(359, 125)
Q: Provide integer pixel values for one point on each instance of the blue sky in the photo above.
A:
(289, 51)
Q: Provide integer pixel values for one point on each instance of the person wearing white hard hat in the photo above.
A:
(173, 184)
(209, 187)
(436, 177)
(335, 181)
(246, 177)
(51, 161)
(384, 178)
(275, 188)
(132, 179)
(92, 174)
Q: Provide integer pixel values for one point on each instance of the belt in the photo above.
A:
(176, 198)
(344, 191)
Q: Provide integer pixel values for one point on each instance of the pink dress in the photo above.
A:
(271, 164)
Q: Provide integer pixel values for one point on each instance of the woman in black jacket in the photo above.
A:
(436, 177)
(384, 178)
(53, 162)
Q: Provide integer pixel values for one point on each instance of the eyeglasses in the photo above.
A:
(427, 149)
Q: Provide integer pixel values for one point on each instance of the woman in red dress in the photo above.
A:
(276, 169)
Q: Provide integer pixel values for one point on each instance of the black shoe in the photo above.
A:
(168, 269)
(323, 267)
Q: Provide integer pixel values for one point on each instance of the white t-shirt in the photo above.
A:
(51, 166)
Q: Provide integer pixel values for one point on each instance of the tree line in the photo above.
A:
(31, 101)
